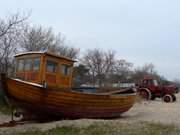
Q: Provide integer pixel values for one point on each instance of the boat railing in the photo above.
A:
(109, 92)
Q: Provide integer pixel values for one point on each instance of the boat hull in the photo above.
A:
(67, 103)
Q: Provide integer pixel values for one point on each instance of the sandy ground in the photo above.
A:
(149, 111)
(155, 111)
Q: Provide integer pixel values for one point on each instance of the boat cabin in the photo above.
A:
(44, 68)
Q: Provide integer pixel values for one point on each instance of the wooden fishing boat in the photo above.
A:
(43, 84)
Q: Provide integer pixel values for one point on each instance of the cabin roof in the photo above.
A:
(46, 53)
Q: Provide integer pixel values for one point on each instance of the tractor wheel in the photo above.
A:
(174, 98)
(167, 98)
(145, 94)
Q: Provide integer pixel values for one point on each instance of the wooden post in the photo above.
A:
(2, 81)
(12, 113)
(0, 84)
(3, 88)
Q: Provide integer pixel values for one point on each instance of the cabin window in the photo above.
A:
(21, 65)
(36, 64)
(65, 69)
(28, 65)
(51, 66)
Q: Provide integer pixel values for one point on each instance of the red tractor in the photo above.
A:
(149, 89)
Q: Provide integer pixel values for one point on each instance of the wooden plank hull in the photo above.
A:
(69, 104)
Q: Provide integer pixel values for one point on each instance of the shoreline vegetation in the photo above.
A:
(102, 128)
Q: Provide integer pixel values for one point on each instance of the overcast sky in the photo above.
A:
(140, 31)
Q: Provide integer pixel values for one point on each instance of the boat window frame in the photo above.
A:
(30, 68)
(33, 69)
(51, 61)
(18, 65)
(65, 71)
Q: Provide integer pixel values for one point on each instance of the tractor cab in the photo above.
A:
(150, 82)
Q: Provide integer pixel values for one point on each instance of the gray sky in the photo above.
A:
(140, 31)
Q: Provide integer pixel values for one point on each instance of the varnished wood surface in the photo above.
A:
(70, 103)
(54, 79)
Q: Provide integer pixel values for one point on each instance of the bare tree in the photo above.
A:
(146, 70)
(89, 60)
(65, 50)
(80, 74)
(7, 49)
(11, 24)
(9, 33)
(37, 38)
(122, 70)
(109, 61)
(99, 63)
(105, 69)
(149, 68)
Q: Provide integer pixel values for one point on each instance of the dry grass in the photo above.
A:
(107, 128)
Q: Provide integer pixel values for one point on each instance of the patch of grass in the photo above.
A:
(4, 109)
(56, 131)
(132, 129)
(64, 131)
(160, 129)
(109, 128)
